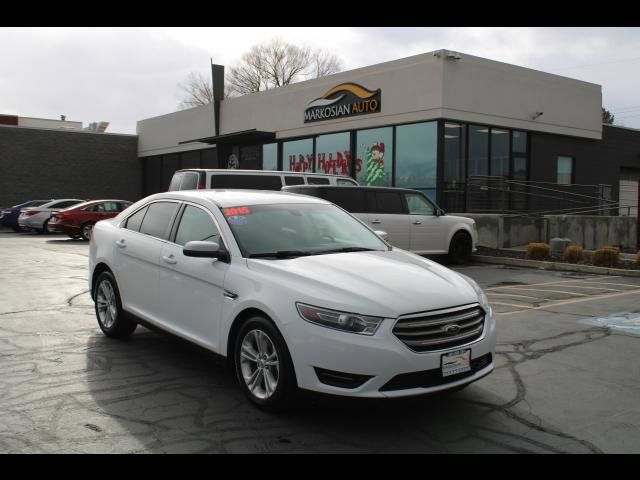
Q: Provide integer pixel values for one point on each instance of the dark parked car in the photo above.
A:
(9, 216)
(78, 221)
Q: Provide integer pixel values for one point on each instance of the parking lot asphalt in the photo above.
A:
(562, 384)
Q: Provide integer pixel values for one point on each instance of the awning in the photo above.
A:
(245, 137)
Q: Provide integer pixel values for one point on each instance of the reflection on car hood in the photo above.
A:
(382, 283)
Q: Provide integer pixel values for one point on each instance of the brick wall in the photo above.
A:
(38, 163)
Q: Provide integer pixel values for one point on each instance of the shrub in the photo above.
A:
(538, 251)
(606, 256)
(573, 254)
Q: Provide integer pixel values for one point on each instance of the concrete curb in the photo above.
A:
(518, 262)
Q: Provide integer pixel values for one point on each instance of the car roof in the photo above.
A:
(237, 197)
(261, 172)
(349, 187)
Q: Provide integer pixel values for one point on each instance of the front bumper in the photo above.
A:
(383, 357)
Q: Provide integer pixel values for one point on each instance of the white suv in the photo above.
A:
(294, 291)
(410, 219)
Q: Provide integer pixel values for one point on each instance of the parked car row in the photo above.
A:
(73, 216)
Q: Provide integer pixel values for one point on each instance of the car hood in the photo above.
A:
(380, 283)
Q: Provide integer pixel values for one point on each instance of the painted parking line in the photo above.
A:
(538, 289)
(570, 302)
(500, 294)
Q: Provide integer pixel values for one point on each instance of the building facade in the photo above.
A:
(436, 122)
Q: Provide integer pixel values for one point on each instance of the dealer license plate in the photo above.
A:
(456, 362)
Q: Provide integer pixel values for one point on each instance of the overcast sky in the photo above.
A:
(122, 75)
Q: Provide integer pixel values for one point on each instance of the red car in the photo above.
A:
(78, 221)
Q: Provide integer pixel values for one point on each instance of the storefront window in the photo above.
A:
(333, 154)
(565, 170)
(478, 150)
(374, 156)
(519, 142)
(454, 154)
(416, 156)
(270, 156)
(297, 156)
(499, 153)
(519, 168)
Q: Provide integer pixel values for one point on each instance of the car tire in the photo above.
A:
(113, 321)
(460, 248)
(45, 228)
(274, 385)
(86, 229)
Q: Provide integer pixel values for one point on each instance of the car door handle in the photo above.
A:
(120, 243)
(169, 259)
(417, 222)
(375, 221)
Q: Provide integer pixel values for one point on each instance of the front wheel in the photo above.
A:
(113, 321)
(460, 248)
(263, 365)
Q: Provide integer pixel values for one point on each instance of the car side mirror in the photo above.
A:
(203, 249)
(381, 234)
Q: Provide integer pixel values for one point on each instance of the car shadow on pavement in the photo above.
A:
(173, 396)
(67, 241)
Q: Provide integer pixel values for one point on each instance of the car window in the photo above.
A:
(196, 225)
(418, 205)
(134, 221)
(388, 202)
(123, 205)
(93, 208)
(175, 182)
(64, 204)
(189, 181)
(317, 181)
(352, 200)
(293, 180)
(157, 221)
(260, 182)
(344, 181)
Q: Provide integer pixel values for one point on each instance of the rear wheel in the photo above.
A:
(113, 321)
(86, 230)
(45, 227)
(460, 248)
(263, 365)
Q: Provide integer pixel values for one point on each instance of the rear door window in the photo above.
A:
(135, 220)
(389, 202)
(254, 182)
(317, 181)
(293, 180)
(352, 200)
(157, 221)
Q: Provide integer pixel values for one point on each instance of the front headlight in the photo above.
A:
(345, 321)
(482, 298)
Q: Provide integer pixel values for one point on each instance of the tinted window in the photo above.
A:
(565, 170)
(134, 221)
(389, 202)
(293, 180)
(418, 205)
(196, 225)
(64, 204)
(374, 156)
(259, 182)
(351, 199)
(189, 181)
(175, 182)
(270, 156)
(478, 150)
(157, 220)
(110, 207)
(317, 181)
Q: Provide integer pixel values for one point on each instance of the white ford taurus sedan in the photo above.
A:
(294, 291)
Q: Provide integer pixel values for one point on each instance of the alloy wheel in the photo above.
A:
(106, 302)
(259, 364)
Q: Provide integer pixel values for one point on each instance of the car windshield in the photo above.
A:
(293, 230)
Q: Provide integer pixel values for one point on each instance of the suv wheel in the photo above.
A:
(86, 230)
(460, 248)
(113, 321)
(263, 365)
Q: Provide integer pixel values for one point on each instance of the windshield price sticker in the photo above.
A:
(232, 211)
(237, 220)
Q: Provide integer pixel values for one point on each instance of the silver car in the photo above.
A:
(37, 218)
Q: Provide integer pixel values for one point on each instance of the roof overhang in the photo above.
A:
(245, 137)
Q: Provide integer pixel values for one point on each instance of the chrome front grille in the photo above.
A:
(441, 329)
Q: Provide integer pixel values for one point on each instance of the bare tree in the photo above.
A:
(607, 116)
(269, 65)
(198, 91)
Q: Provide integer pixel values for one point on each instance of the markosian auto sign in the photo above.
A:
(344, 100)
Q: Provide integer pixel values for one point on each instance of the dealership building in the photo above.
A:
(439, 122)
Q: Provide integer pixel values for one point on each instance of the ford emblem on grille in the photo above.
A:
(451, 329)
